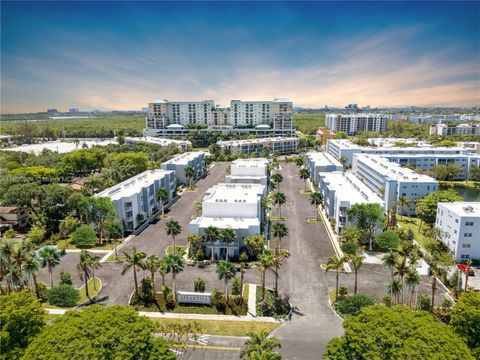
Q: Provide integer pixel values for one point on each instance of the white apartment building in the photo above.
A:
(461, 222)
(230, 206)
(192, 159)
(431, 119)
(248, 171)
(135, 198)
(460, 129)
(276, 114)
(355, 123)
(340, 192)
(393, 142)
(391, 181)
(181, 144)
(282, 145)
(321, 162)
(345, 148)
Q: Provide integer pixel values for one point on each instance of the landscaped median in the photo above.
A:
(66, 297)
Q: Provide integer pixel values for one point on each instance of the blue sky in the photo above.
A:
(122, 55)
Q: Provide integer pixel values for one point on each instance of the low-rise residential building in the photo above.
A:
(321, 162)
(340, 192)
(391, 181)
(473, 145)
(135, 199)
(398, 142)
(460, 129)
(181, 144)
(460, 223)
(355, 123)
(14, 217)
(248, 171)
(193, 159)
(231, 206)
(282, 145)
(323, 134)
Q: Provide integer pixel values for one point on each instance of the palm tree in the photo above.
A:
(402, 202)
(226, 271)
(343, 160)
(304, 175)
(95, 265)
(189, 173)
(277, 179)
(401, 268)
(162, 196)
(197, 205)
(469, 263)
(228, 236)
(316, 199)
(357, 262)
(175, 265)
(163, 270)
(173, 228)
(85, 268)
(50, 257)
(335, 263)
(264, 262)
(259, 342)
(299, 161)
(134, 261)
(14, 277)
(434, 271)
(6, 250)
(389, 260)
(280, 230)
(394, 289)
(277, 259)
(114, 233)
(30, 268)
(279, 199)
(212, 234)
(152, 264)
(412, 281)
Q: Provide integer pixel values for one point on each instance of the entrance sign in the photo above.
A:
(194, 297)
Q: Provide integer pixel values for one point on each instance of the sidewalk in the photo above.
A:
(252, 300)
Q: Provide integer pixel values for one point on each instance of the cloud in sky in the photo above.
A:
(136, 53)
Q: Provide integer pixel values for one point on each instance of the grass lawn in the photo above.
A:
(308, 123)
(413, 223)
(111, 258)
(226, 328)
(181, 250)
(331, 296)
(91, 290)
(68, 245)
(274, 311)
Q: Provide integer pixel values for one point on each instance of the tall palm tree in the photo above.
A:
(412, 281)
(163, 270)
(469, 263)
(343, 160)
(402, 202)
(400, 269)
(15, 277)
(226, 271)
(280, 230)
(162, 196)
(95, 259)
(228, 236)
(152, 264)
(335, 263)
(114, 232)
(264, 262)
(85, 268)
(134, 261)
(49, 257)
(299, 161)
(173, 228)
(316, 199)
(394, 288)
(258, 342)
(304, 175)
(279, 199)
(212, 234)
(434, 271)
(19, 256)
(277, 179)
(197, 205)
(189, 173)
(6, 250)
(175, 265)
(357, 262)
(31, 267)
(389, 260)
(277, 259)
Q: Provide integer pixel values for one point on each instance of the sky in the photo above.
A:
(123, 55)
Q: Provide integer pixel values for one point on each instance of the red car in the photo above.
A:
(463, 267)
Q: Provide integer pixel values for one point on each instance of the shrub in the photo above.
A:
(236, 286)
(387, 300)
(199, 255)
(351, 305)
(42, 291)
(423, 302)
(9, 234)
(342, 291)
(36, 234)
(84, 236)
(387, 240)
(349, 248)
(199, 285)
(65, 278)
(217, 295)
(146, 290)
(63, 296)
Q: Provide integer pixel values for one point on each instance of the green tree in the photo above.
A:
(228, 236)
(50, 257)
(304, 175)
(226, 271)
(212, 234)
(199, 285)
(401, 203)
(260, 346)
(380, 332)
(173, 229)
(412, 282)
(299, 161)
(427, 206)
(21, 319)
(465, 319)
(343, 160)
(134, 261)
(100, 211)
(97, 332)
(357, 261)
(36, 234)
(114, 233)
(264, 263)
(255, 244)
(31, 267)
(279, 199)
(163, 270)
(9, 234)
(152, 264)
(368, 218)
(351, 234)
(335, 263)
(175, 265)
(84, 236)
(189, 174)
(124, 165)
(68, 226)
(351, 305)
(387, 240)
(86, 265)
(277, 178)
(194, 244)
(279, 230)
(63, 296)
(316, 200)
(475, 173)
(162, 196)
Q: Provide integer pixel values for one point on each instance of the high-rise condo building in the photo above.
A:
(355, 123)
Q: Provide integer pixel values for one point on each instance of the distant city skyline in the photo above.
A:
(123, 55)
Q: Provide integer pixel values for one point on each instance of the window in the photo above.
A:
(469, 223)
(466, 246)
(467, 235)
(456, 221)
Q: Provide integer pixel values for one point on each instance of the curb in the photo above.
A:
(94, 296)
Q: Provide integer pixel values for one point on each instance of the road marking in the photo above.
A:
(201, 340)
(214, 347)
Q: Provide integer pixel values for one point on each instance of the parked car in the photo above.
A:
(463, 267)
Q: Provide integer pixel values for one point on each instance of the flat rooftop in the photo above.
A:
(61, 147)
(184, 158)
(463, 208)
(350, 188)
(134, 185)
(323, 158)
(157, 141)
(391, 169)
(256, 141)
(234, 193)
(226, 222)
(250, 163)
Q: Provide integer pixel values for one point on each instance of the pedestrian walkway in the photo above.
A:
(252, 300)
